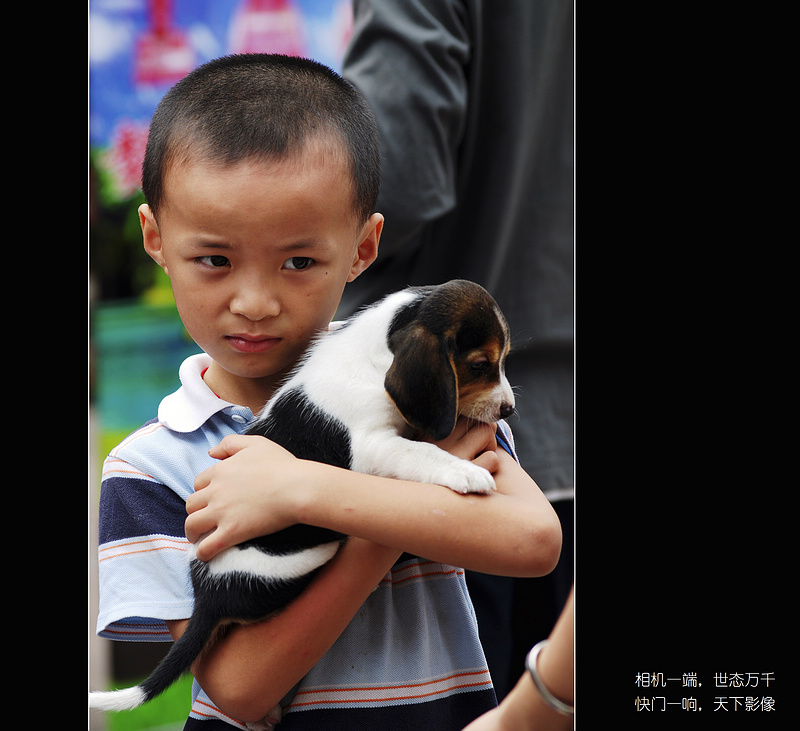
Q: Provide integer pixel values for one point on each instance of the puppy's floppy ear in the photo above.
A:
(422, 380)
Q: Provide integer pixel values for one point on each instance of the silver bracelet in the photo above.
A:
(547, 696)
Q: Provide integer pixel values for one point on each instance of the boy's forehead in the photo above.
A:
(322, 154)
(309, 191)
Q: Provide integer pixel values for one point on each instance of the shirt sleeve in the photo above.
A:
(143, 556)
(505, 438)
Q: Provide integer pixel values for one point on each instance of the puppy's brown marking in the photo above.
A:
(450, 347)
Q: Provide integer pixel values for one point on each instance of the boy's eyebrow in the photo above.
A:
(297, 245)
(303, 244)
(212, 245)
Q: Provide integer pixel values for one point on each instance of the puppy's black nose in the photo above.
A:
(506, 410)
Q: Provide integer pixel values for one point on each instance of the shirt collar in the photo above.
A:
(194, 403)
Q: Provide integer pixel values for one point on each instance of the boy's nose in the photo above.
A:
(255, 303)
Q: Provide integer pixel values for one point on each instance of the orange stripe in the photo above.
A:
(144, 431)
(331, 691)
(145, 540)
(198, 702)
(146, 550)
(421, 574)
(387, 699)
(390, 698)
(108, 468)
(394, 687)
(429, 573)
(182, 546)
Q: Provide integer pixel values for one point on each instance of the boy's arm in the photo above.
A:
(249, 670)
(513, 532)
(252, 667)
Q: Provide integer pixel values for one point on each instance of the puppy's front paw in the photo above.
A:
(468, 477)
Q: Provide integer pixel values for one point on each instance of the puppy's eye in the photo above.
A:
(479, 366)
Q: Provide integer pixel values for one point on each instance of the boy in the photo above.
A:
(260, 175)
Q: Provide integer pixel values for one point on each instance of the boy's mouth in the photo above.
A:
(252, 343)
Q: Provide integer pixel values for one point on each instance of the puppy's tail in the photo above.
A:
(177, 661)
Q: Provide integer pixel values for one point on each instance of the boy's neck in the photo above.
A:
(250, 392)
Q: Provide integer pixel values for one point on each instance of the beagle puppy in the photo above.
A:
(363, 396)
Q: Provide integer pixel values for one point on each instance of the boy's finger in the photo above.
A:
(230, 445)
(202, 480)
(224, 449)
(197, 499)
(480, 436)
(197, 525)
(212, 544)
(489, 461)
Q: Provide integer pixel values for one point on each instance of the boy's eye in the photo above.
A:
(214, 261)
(298, 263)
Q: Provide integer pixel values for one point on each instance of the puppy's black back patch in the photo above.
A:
(301, 427)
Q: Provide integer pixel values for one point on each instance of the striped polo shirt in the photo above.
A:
(410, 658)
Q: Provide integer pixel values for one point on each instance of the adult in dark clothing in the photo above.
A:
(474, 101)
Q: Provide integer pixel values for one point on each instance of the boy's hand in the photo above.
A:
(247, 494)
(474, 441)
(254, 489)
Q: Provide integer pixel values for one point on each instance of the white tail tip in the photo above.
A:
(117, 700)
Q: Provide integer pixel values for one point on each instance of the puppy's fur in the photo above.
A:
(407, 366)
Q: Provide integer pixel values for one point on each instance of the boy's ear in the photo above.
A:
(422, 380)
(151, 237)
(367, 250)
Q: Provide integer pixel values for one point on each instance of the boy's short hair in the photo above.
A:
(261, 106)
